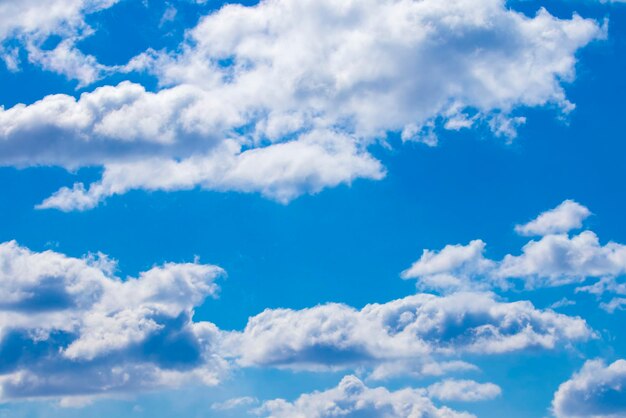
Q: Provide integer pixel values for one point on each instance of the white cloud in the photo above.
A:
(555, 259)
(423, 326)
(32, 22)
(559, 259)
(615, 304)
(351, 398)
(562, 303)
(248, 78)
(281, 171)
(565, 217)
(597, 390)
(234, 403)
(463, 390)
(69, 327)
(451, 268)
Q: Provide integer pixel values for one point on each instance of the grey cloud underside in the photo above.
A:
(325, 79)
(597, 390)
(70, 327)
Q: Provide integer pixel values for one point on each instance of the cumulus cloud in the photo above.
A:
(351, 398)
(555, 259)
(69, 326)
(253, 78)
(463, 390)
(597, 390)
(565, 217)
(450, 268)
(422, 326)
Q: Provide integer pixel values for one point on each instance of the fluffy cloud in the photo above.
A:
(422, 326)
(565, 217)
(351, 398)
(68, 326)
(256, 83)
(450, 267)
(555, 259)
(32, 22)
(597, 390)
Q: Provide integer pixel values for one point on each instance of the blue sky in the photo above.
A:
(253, 192)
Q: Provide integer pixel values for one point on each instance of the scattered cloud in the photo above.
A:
(555, 259)
(565, 217)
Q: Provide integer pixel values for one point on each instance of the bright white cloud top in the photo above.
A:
(298, 90)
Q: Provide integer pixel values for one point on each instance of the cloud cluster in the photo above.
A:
(28, 24)
(597, 390)
(351, 398)
(556, 258)
(300, 89)
(68, 326)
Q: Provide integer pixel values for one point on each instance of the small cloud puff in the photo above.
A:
(565, 217)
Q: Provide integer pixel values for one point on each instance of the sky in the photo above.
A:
(312, 208)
